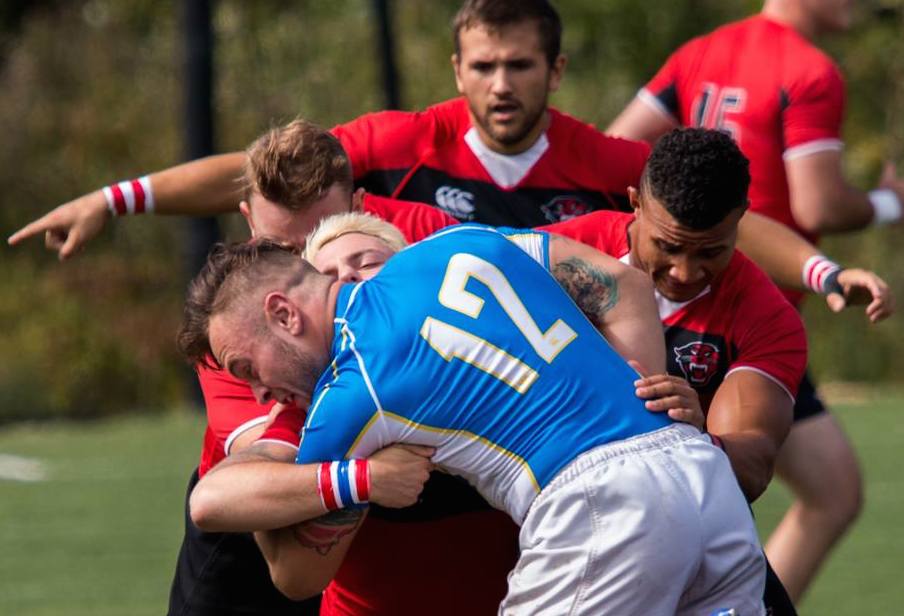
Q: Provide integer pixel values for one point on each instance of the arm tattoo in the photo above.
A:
(594, 290)
(322, 533)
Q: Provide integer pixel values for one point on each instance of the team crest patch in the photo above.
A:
(564, 207)
(698, 361)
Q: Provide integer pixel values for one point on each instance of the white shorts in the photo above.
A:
(652, 525)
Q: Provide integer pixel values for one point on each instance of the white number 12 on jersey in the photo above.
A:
(452, 342)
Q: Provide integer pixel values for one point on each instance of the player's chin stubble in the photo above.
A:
(305, 370)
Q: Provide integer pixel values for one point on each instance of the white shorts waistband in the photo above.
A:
(669, 435)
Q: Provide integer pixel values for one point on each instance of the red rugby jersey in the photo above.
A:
(766, 85)
(415, 220)
(742, 322)
(231, 411)
(426, 157)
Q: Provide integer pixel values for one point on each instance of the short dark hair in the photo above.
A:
(218, 283)
(698, 175)
(297, 164)
(497, 14)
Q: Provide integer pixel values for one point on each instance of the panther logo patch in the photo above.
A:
(698, 361)
(565, 207)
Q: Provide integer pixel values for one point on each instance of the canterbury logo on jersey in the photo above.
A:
(455, 202)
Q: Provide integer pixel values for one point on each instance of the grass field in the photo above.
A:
(99, 534)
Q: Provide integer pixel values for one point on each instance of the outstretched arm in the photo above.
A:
(617, 299)
(823, 202)
(202, 187)
(793, 262)
(641, 122)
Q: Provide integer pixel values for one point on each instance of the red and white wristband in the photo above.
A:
(130, 197)
(820, 275)
(343, 484)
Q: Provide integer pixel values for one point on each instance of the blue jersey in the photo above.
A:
(466, 343)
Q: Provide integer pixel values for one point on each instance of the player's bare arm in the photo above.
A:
(254, 489)
(751, 414)
(776, 248)
(784, 255)
(203, 187)
(594, 290)
(617, 299)
(303, 559)
(821, 199)
(641, 122)
(261, 488)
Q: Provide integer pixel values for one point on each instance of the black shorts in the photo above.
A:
(224, 574)
(808, 403)
(775, 597)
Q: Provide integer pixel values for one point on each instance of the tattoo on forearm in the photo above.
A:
(322, 533)
(594, 290)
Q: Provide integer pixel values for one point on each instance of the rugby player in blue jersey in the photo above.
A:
(462, 343)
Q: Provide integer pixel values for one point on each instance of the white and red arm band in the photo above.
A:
(343, 484)
(130, 197)
(820, 275)
(886, 206)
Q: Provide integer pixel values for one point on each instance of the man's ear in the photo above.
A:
(634, 199)
(456, 69)
(245, 209)
(282, 313)
(557, 70)
(358, 201)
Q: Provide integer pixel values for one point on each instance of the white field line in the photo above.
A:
(17, 468)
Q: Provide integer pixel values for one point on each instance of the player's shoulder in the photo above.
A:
(802, 62)
(605, 230)
(744, 277)
(502, 245)
(594, 160)
(449, 116)
(749, 289)
(694, 48)
(414, 219)
(569, 133)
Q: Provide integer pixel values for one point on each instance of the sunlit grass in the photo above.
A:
(100, 535)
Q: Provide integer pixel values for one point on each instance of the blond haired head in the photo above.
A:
(342, 224)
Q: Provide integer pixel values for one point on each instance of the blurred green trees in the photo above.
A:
(91, 93)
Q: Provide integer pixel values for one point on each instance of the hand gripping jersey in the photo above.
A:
(465, 343)
(767, 86)
(741, 322)
(436, 157)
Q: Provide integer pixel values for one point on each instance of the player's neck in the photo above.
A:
(792, 15)
(514, 148)
(332, 295)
